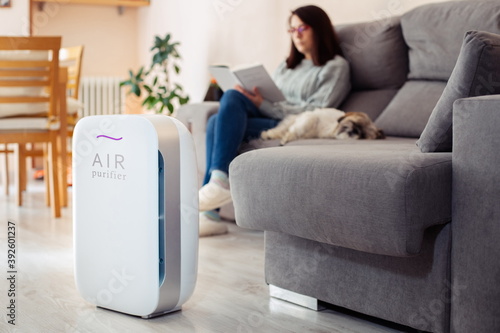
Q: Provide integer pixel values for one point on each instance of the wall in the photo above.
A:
(14, 20)
(229, 32)
(110, 39)
(237, 32)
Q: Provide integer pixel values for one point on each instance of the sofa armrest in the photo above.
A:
(195, 116)
(475, 291)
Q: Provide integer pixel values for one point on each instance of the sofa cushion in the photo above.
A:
(376, 52)
(409, 111)
(371, 102)
(476, 73)
(373, 196)
(435, 32)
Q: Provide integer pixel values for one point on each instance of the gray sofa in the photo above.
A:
(387, 228)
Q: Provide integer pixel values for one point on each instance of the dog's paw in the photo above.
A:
(380, 134)
(265, 135)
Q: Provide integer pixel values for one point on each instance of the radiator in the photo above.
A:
(101, 95)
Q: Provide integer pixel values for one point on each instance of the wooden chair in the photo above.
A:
(31, 107)
(71, 57)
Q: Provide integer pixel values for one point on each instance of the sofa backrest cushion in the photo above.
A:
(408, 112)
(476, 73)
(434, 34)
(376, 52)
(371, 102)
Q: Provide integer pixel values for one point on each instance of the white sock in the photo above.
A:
(220, 178)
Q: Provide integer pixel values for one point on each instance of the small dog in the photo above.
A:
(325, 124)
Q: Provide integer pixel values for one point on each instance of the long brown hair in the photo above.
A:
(326, 43)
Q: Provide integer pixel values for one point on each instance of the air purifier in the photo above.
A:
(135, 211)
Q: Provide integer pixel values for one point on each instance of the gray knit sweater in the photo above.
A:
(307, 87)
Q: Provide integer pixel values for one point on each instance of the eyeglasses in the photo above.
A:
(300, 29)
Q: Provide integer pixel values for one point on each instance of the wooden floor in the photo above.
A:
(230, 296)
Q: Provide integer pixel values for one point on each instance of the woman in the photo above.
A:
(315, 75)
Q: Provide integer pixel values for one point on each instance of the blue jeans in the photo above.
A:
(238, 120)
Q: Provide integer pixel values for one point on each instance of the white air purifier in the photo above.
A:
(135, 210)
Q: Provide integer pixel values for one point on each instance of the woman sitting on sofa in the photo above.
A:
(315, 75)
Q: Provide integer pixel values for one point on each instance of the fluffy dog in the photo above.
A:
(326, 124)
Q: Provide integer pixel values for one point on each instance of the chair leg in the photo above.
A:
(21, 170)
(62, 153)
(46, 173)
(23, 167)
(53, 172)
(5, 173)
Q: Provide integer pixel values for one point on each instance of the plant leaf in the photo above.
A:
(161, 92)
(136, 90)
(183, 100)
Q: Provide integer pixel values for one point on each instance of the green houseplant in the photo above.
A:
(160, 91)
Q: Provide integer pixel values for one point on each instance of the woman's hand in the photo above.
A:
(254, 96)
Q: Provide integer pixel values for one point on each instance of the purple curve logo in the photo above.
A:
(108, 137)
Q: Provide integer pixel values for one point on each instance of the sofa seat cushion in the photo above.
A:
(373, 196)
(390, 140)
(394, 142)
